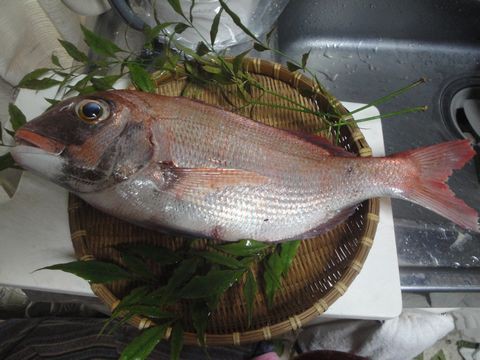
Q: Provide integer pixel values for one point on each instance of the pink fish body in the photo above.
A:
(170, 163)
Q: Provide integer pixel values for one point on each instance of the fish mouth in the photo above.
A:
(29, 138)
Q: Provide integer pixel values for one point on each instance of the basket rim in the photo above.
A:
(294, 322)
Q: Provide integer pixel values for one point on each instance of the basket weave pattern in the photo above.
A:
(323, 268)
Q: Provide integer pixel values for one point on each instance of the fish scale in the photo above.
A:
(178, 165)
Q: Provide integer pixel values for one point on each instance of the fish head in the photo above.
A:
(85, 143)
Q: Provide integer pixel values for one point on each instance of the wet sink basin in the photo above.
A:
(363, 50)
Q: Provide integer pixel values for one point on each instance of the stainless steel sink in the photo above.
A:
(363, 50)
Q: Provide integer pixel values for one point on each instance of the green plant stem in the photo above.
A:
(383, 116)
(390, 96)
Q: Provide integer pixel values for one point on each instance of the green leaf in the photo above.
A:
(73, 51)
(100, 45)
(181, 27)
(200, 313)
(440, 355)
(33, 75)
(305, 58)
(159, 254)
(220, 259)
(212, 69)
(269, 34)
(182, 274)
(288, 250)
(52, 101)
(104, 83)
(136, 265)
(39, 84)
(175, 4)
(132, 298)
(149, 311)
(55, 61)
(17, 118)
(238, 61)
(192, 5)
(94, 271)
(260, 47)
(244, 248)
(6, 161)
(215, 282)
(293, 67)
(272, 276)
(237, 20)
(202, 49)
(214, 28)
(249, 291)
(152, 33)
(144, 344)
(176, 343)
(141, 78)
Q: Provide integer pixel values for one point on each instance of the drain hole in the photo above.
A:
(465, 112)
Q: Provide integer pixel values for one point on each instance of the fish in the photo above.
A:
(182, 166)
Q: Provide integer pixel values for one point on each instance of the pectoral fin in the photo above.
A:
(201, 181)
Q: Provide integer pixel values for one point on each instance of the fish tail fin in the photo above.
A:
(434, 165)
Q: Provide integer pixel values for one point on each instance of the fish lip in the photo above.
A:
(30, 138)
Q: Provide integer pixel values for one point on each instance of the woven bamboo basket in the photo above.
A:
(323, 268)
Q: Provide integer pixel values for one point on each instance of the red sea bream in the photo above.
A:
(174, 164)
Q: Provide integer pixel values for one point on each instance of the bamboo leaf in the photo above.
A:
(55, 61)
(136, 265)
(269, 34)
(100, 45)
(305, 59)
(181, 27)
(132, 298)
(237, 20)
(249, 291)
(159, 254)
(272, 276)
(144, 344)
(260, 47)
(288, 250)
(202, 49)
(244, 248)
(217, 258)
(182, 274)
(293, 67)
(6, 161)
(176, 343)
(152, 33)
(200, 313)
(141, 78)
(17, 118)
(149, 311)
(238, 61)
(104, 83)
(192, 5)
(212, 69)
(94, 271)
(39, 84)
(175, 4)
(73, 51)
(215, 282)
(33, 75)
(51, 101)
(214, 28)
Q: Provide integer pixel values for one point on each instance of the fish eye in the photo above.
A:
(92, 111)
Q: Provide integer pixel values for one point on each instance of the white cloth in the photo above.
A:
(401, 338)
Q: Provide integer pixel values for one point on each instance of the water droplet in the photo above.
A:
(475, 259)
(456, 265)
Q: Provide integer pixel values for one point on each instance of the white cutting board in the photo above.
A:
(34, 233)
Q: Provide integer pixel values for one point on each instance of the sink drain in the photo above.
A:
(460, 105)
